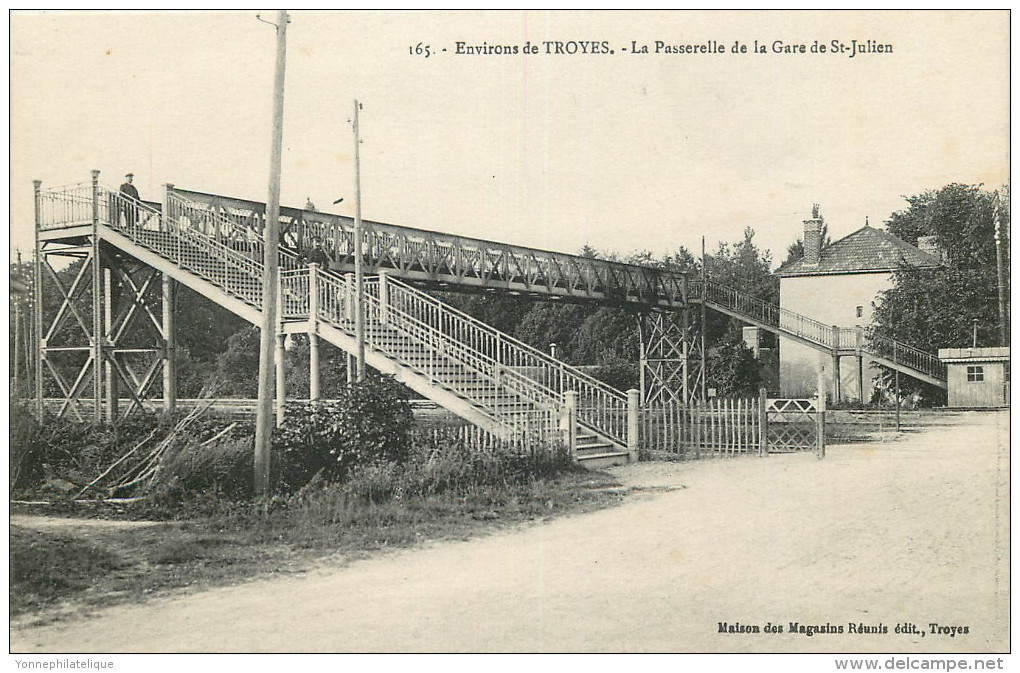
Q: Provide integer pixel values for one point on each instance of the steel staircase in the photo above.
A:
(504, 386)
(829, 338)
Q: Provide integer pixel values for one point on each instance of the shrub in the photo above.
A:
(370, 422)
(226, 467)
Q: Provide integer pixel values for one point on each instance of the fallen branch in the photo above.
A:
(115, 464)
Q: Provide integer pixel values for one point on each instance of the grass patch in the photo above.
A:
(215, 543)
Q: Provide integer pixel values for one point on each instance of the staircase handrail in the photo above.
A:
(178, 207)
(473, 360)
(512, 341)
(813, 330)
(596, 399)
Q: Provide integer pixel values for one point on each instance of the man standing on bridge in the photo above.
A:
(129, 202)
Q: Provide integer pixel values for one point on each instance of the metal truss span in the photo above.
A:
(436, 259)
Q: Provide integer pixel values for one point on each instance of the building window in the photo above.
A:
(975, 373)
(1005, 372)
(860, 311)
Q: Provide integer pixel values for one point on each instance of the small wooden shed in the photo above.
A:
(978, 377)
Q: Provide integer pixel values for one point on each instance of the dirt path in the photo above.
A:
(911, 530)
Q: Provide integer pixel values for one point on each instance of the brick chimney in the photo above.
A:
(812, 240)
(930, 245)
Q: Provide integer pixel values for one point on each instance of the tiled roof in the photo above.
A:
(866, 250)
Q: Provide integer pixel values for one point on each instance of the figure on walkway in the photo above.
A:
(129, 204)
(316, 254)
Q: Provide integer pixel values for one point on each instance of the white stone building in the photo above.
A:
(836, 285)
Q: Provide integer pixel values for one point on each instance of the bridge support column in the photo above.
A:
(169, 345)
(859, 337)
(860, 379)
(837, 383)
(37, 318)
(97, 319)
(672, 366)
(313, 366)
(281, 378)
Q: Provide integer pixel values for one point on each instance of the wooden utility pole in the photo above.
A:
(999, 263)
(359, 272)
(704, 321)
(264, 409)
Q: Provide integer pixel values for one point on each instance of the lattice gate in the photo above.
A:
(795, 425)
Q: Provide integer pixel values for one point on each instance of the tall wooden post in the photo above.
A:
(271, 237)
(169, 346)
(97, 317)
(1001, 276)
(820, 412)
(763, 423)
(897, 370)
(704, 321)
(37, 308)
(359, 273)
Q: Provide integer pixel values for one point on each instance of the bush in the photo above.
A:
(225, 467)
(371, 422)
(27, 447)
(75, 451)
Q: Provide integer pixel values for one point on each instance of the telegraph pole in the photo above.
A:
(264, 410)
(1003, 326)
(359, 272)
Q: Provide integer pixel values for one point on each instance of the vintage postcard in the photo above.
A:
(510, 332)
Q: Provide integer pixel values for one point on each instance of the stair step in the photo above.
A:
(598, 461)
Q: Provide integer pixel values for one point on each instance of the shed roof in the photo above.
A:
(987, 354)
(867, 250)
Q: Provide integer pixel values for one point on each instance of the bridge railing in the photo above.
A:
(827, 336)
(765, 312)
(65, 206)
(423, 348)
(222, 229)
(903, 354)
(423, 255)
(528, 370)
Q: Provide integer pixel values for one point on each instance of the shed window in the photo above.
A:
(860, 311)
(975, 373)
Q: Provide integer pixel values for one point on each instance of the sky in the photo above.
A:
(620, 151)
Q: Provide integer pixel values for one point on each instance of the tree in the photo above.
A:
(935, 308)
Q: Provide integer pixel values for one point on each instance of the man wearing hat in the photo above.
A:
(129, 203)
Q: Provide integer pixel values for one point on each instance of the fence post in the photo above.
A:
(633, 408)
(384, 295)
(568, 422)
(763, 423)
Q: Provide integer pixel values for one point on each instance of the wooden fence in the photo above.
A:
(718, 427)
(531, 436)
